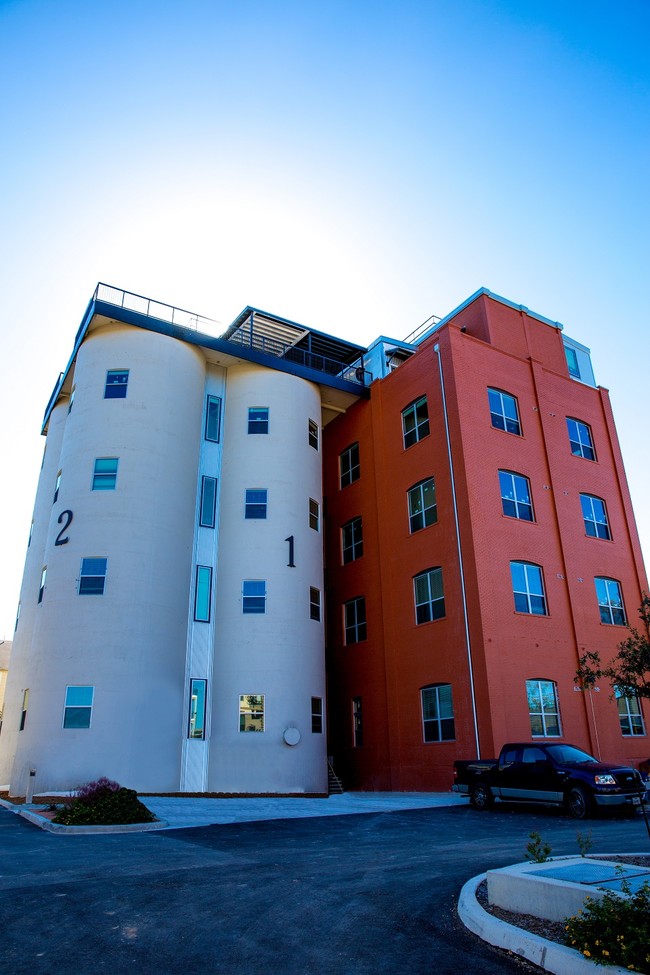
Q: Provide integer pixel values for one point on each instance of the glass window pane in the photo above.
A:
(203, 593)
(77, 717)
(207, 515)
(212, 418)
(197, 709)
(79, 696)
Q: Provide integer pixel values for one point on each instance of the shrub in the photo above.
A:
(104, 803)
(614, 930)
(537, 851)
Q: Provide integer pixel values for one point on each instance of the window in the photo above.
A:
(528, 588)
(314, 603)
(594, 514)
(208, 509)
(504, 412)
(31, 532)
(580, 439)
(116, 384)
(196, 725)
(203, 593)
(258, 419)
(41, 588)
(429, 596)
(254, 596)
(78, 706)
(572, 362)
(105, 474)
(56, 488)
(314, 515)
(543, 709)
(312, 434)
(212, 418)
(352, 540)
(437, 713)
(23, 710)
(423, 510)
(71, 401)
(629, 713)
(251, 712)
(317, 715)
(349, 467)
(354, 620)
(17, 618)
(415, 422)
(93, 577)
(515, 496)
(610, 602)
(357, 722)
(256, 501)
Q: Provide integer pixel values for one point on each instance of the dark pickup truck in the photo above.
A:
(557, 773)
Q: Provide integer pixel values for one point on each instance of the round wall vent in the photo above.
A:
(291, 736)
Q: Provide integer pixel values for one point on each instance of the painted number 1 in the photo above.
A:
(291, 562)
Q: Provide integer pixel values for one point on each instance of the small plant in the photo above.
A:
(536, 850)
(104, 803)
(614, 930)
(585, 843)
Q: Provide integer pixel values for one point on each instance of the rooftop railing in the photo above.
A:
(155, 309)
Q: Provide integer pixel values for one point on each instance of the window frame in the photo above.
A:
(608, 604)
(432, 608)
(349, 465)
(258, 425)
(352, 540)
(504, 421)
(118, 387)
(435, 722)
(256, 709)
(589, 517)
(355, 621)
(416, 431)
(23, 710)
(585, 449)
(314, 604)
(317, 715)
(92, 588)
(422, 514)
(106, 478)
(256, 509)
(253, 601)
(542, 713)
(357, 722)
(57, 486)
(314, 515)
(313, 434)
(514, 500)
(199, 684)
(203, 594)
(212, 426)
(41, 588)
(627, 715)
(78, 707)
(208, 502)
(528, 592)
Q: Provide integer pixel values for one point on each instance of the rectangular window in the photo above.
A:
(437, 713)
(312, 434)
(258, 419)
(354, 620)
(528, 588)
(504, 411)
(203, 593)
(208, 511)
(256, 503)
(629, 713)
(314, 515)
(56, 488)
(31, 532)
(515, 496)
(349, 466)
(78, 706)
(423, 510)
(352, 540)
(23, 711)
(543, 709)
(314, 603)
(317, 715)
(117, 381)
(41, 588)
(105, 474)
(415, 422)
(196, 724)
(429, 596)
(17, 618)
(213, 418)
(254, 596)
(251, 712)
(610, 602)
(594, 514)
(71, 401)
(580, 439)
(572, 362)
(357, 723)
(93, 577)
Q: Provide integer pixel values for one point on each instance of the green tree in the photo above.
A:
(629, 670)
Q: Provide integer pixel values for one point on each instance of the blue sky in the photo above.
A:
(353, 166)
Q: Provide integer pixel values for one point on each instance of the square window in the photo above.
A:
(258, 419)
(314, 604)
(543, 709)
(251, 712)
(203, 593)
(437, 713)
(423, 510)
(354, 620)
(349, 466)
(312, 434)
(314, 515)
(208, 509)
(105, 474)
(213, 418)
(610, 602)
(93, 577)
(504, 411)
(78, 706)
(352, 540)
(594, 514)
(117, 381)
(580, 439)
(429, 596)
(256, 503)
(528, 588)
(415, 422)
(196, 723)
(254, 596)
(515, 496)
(317, 715)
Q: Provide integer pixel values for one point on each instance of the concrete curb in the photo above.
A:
(44, 823)
(552, 957)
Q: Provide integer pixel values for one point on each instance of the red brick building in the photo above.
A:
(479, 538)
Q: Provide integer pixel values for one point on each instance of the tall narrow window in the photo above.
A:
(610, 602)
(17, 618)
(56, 488)
(254, 596)
(213, 418)
(429, 596)
(71, 401)
(256, 502)
(352, 540)
(78, 706)
(251, 712)
(117, 381)
(354, 620)
(105, 474)
(314, 604)
(258, 419)
(314, 515)
(93, 577)
(423, 510)
(515, 496)
(208, 511)
(31, 532)
(312, 434)
(594, 514)
(572, 362)
(543, 709)
(504, 411)
(317, 715)
(415, 422)
(437, 713)
(196, 724)
(41, 588)
(349, 466)
(629, 713)
(23, 710)
(528, 588)
(357, 722)
(580, 439)
(203, 593)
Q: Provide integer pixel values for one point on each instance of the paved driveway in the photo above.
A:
(352, 895)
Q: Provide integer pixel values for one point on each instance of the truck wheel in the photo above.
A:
(480, 797)
(578, 802)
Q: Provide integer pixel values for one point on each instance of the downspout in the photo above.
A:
(468, 646)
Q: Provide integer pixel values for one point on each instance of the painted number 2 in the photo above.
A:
(64, 518)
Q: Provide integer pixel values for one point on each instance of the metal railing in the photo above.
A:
(154, 309)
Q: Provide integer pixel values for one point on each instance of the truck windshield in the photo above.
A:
(568, 753)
